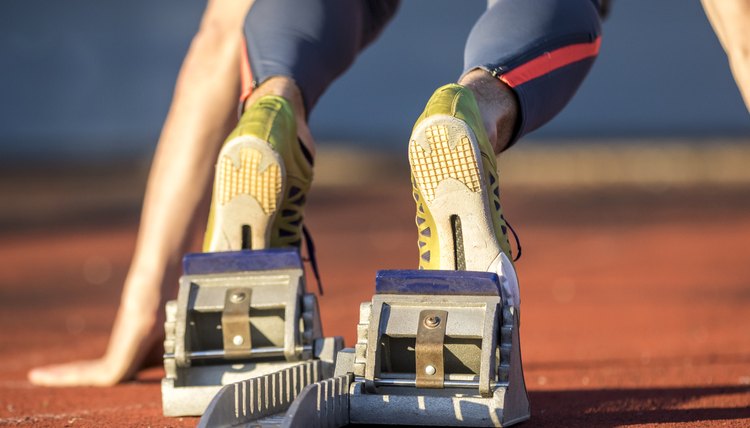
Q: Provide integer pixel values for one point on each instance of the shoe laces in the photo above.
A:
(518, 241)
(310, 248)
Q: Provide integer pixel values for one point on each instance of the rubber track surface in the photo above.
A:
(635, 303)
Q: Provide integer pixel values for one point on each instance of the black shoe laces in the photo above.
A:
(310, 247)
(518, 241)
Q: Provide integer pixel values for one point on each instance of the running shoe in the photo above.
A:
(455, 186)
(262, 177)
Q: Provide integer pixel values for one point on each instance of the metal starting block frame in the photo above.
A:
(239, 315)
(438, 348)
(435, 348)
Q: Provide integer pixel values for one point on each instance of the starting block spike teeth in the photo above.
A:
(242, 316)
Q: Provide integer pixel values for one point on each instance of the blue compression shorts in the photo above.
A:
(542, 49)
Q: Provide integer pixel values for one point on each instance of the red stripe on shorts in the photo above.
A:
(550, 61)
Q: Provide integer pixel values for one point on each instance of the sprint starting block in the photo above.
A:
(241, 315)
(434, 348)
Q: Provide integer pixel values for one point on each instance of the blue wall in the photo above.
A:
(94, 76)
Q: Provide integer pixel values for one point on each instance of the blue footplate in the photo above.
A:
(241, 261)
(441, 282)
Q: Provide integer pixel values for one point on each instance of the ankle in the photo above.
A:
(286, 88)
(498, 105)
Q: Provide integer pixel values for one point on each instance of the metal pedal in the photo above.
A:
(241, 315)
(438, 348)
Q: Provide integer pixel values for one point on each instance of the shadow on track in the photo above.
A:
(617, 407)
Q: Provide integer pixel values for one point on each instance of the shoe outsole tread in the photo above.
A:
(248, 179)
(248, 189)
(447, 175)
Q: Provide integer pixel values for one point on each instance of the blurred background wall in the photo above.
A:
(88, 77)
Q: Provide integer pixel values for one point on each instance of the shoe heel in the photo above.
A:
(447, 169)
(248, 186)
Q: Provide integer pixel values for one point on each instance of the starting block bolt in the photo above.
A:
(430, 370)
(238, 340)
(238, 297)
(432, 322)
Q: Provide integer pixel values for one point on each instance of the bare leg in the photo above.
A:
(286, 88)
(202, 114)
(498, 105)
(730, 19)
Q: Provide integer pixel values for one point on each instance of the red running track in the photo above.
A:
(635, 304)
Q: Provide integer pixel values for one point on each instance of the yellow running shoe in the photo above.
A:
(455, 182)
(262, 178)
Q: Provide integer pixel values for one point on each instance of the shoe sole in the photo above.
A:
(446, 166)
(247, 194)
